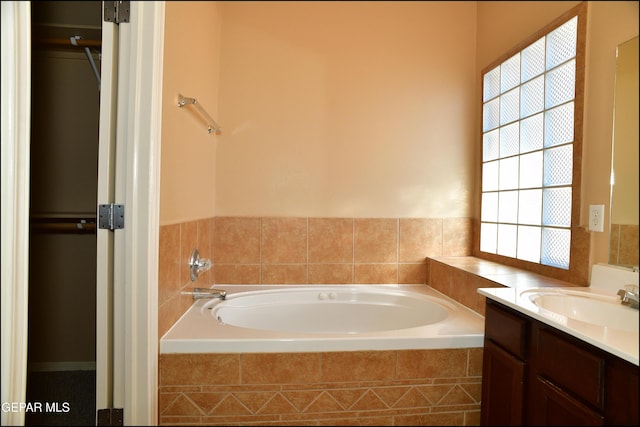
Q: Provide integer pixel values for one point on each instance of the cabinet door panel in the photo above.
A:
(554, 407)
(622, 394)
(570, 366)
(502, 387)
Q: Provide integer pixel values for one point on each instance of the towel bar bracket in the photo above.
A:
(212, 126)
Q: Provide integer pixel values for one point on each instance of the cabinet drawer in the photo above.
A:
(506, 329)
(569, 365)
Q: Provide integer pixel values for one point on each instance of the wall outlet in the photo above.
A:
(596, 217)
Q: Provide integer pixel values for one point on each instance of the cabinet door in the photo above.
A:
(502, 387)
(554, 407)
(622, 393)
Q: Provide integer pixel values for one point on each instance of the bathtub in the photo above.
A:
(310, 318)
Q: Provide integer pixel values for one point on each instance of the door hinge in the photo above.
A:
(111, 216)
(117, 11)
(110, 417)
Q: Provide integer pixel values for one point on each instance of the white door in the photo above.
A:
(105, 238)
(129, 158)
(129, 175)
(16, 119)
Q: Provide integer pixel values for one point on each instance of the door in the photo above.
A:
(16, 94)
(127, 311)
(105, 238)
(129, 175)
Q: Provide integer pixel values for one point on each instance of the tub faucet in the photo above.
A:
(629, 296)
(201, 293)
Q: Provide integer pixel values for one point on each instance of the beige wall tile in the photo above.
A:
(237, 274)
(363, 365)
(183, 406)
(628, 253)
(324, 403)
(419, 237)
(330, 240)
(436, 419)
(168, 262)
(426, 364)
(440, 277)
(237, 240)
(269, 368)
(278, 405)
(361, 420)
(284, 274)
(472, 418)
(188, 242)
(412, 273)
(376, 240)
(171, 310)
(205, 229)
(187, 369)
(375, 273)
(331, 273)
(284, 240)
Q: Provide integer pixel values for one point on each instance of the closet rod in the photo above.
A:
(65, 42)
(64, 225)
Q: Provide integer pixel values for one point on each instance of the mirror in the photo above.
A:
(623, 246)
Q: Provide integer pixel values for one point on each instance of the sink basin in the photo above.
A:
(593, 308)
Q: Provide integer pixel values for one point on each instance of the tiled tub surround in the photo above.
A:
(278, 250)
(389, 387)
(405, 387)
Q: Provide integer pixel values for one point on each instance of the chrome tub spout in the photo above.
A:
(201, 293)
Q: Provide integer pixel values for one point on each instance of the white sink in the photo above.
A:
(588, 307)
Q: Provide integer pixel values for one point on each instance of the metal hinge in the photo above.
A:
(111, 216)
(110, 417)
(117, 11)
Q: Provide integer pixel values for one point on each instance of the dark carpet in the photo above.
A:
(61, 398)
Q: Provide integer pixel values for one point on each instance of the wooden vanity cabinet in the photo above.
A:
(534, 374)
(503, 368)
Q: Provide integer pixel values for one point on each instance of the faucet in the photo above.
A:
(201, 293)
(629, 296)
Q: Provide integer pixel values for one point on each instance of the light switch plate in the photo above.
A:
(596, 217)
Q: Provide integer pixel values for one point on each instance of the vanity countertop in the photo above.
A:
(622, 342)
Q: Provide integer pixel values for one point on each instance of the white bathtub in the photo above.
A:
(307, 318)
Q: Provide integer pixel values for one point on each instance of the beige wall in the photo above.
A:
(191, 65)
(504, 24)
(347, 109)
(501, 25)
(340, 109)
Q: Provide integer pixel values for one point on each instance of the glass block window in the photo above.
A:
(527, 151)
